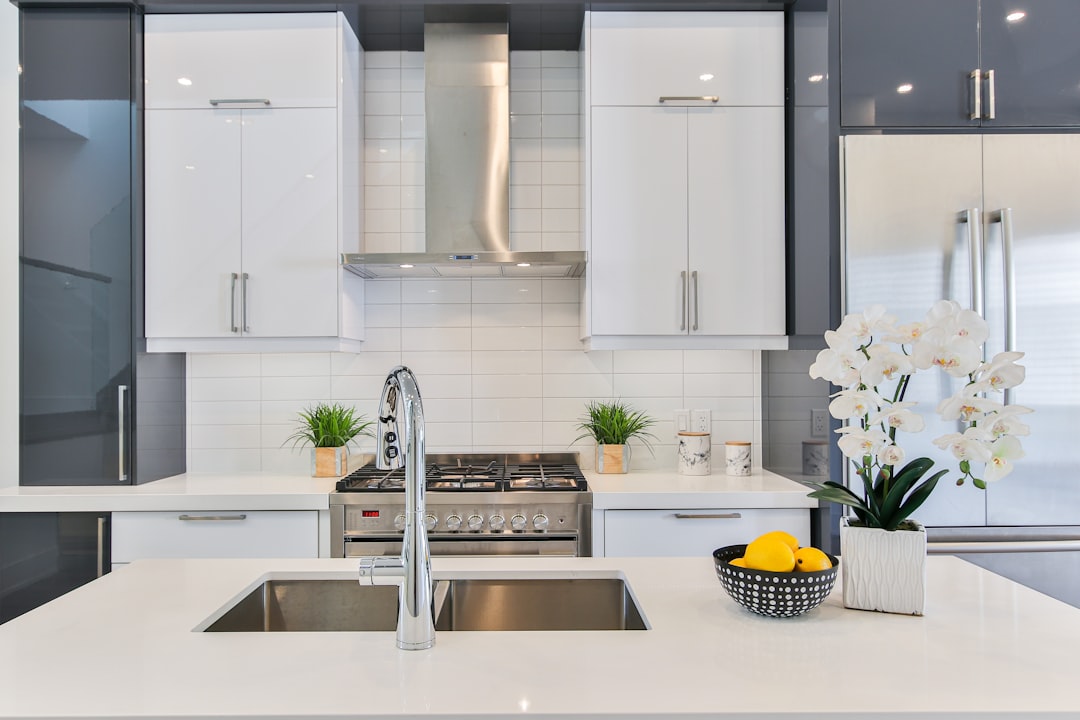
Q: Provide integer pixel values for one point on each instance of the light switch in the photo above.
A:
(682, 420)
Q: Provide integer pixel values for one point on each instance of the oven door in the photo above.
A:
(465, 545)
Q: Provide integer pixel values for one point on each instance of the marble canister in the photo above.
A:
(815, 457)
(737, 454)
(695, 453)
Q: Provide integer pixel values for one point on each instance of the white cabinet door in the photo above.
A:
(222, 534)
(639, 57)
(638, 257)
(736, 220)
(192, 222)
(290, 216)
(681, 533)
(289, 59)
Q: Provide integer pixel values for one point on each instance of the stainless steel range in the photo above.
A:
(477, 504)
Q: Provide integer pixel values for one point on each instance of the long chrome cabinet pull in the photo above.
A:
(973, 218)
(976, 91)
(211, 518)
(682, 276)
(232, 303)
(708, 516)
(100, 546)
(693, 276)
(244, 301)
(1010, 286)
(121, 412)
(239, 101)
(690, 98)
(991, 96)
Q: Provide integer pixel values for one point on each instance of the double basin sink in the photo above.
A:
(460, 604)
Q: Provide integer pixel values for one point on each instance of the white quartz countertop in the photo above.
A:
(660, 489)
(124, 646)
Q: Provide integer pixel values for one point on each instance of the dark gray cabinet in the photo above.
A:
(959, 63)
(93, 405)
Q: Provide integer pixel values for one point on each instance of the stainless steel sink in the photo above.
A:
(460, 604)
(312, 606)
(540, 604)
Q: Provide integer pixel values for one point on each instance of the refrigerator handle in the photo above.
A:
(976, 94)
(973, 218)
(1006, 220)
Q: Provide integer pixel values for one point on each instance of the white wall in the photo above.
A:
(9, 245)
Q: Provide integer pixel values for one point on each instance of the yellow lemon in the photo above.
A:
(771, 554)
(738, 562)
(810, 559)
(787, 538)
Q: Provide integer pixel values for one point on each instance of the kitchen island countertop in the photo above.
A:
(124, 646)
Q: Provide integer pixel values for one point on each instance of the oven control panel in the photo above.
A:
(466, 519)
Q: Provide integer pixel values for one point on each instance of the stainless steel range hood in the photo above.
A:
(467, 165)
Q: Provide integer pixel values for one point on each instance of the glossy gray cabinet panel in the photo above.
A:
(811, 270)
(885, 46)
(1035, 59)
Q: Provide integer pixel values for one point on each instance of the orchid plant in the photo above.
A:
(874, 359)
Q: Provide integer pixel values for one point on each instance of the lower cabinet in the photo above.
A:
(695, 532)
(223, 534)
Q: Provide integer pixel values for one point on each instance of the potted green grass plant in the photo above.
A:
(612, 424)
(329, 428)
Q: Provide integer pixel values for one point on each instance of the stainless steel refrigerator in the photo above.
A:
(993, 222)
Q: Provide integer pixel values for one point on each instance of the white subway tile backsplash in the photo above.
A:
(312, 389)
(382, 221)
(509, 435)
(560, 150)
(412, 242)
(223, 389)
(448, 436)
(524, 103)
(381, 150)
(649, 361)
(561, 240)
(382, 197)
(525, 220)
(560, 126)
(562, 290)
(286, 461)
(381, 242)
(524, 126)
(720, 385)
(516, 290)
(565, 337)
(412, 173)
(382, 339)
(714, 361)
(446, 387)
(382, 103)
(241, 412)
(559, 58)
(561, 173)
(295, 364)
(412, 197)
(412, 79)
(412, 221)
(231, 460)
(561, 102)
(223, 437)
(365, 363)
(498, 362)
(238, 365)
(382, 126)
(412, 126)
(412, 103)
(434, 339)
(353, 387)
(436, 291)
(524, 79)
(561, 197)
(559, 78)
(412, 150)
(576, 362)
(382, 59)
(382, 173)
(435, 316)
(382, 79)
(525, 58)
(448, 410)
(508, 315)
(412, 59)
(525, 173)
(560, 219)
(487, 410)
(647, 385)
(280, 412)
(587, 387)
(458, 362)
(509, 386)
(382, 316)
(500, 338)
(561, 315)
(525, 196)
(526, 241)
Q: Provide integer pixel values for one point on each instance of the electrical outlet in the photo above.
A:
(819, 423)
(701, 420)
(682, 420)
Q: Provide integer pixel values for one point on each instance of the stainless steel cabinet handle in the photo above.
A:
(211, 518)
(682, 275)
(991, 96)
(244, 301)
(976, 92)
(239, 101)
(100, 546)
(1009, 286)
(693, 276)
(708, 516)
(1019, 546)
(232, 303)
(121, 408)
(973, 218)
(690, 98)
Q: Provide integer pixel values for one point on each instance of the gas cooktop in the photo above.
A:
(479, 472)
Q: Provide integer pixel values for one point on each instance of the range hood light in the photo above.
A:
(405, 266)
(524, 264)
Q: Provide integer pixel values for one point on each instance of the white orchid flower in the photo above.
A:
(900, 417)
(857, 443)
(972, 445)
(908, 334)
(862, 326)
(957, 356)
(853, 404)
(839, 363)
(967, 407)
(884, 363)
(1001, 372)
(891, 455)
(1003, 451)
(1006, 421)
(970, 324)
(942, 314)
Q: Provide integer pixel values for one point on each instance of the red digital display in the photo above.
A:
(369, 513)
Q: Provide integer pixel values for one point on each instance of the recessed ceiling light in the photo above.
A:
(816, 78)
(309, 176)
(405, 266)
(706, 77)
(905, 88)
(189, 167)
(524, 264)
(1015, 16)
(184, 81)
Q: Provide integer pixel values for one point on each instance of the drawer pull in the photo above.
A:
(690, 98)
(212, 518)
(239, 101)
(708, 516)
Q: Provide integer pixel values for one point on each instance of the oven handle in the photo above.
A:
(462, 537)
(708, 516)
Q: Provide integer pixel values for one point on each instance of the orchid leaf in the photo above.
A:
(915, 500)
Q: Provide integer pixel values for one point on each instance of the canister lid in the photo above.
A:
(736, 442)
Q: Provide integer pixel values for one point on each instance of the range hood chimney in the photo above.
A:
(467, 166)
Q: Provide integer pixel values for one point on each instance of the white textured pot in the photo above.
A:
(883, 570)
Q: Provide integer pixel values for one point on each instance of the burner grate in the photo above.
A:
(459, 476)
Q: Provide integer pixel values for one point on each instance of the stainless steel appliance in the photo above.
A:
(477, 504)
(992, 222)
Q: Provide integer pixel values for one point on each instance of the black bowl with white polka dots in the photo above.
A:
(775, 594)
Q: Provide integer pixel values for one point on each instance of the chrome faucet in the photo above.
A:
(401, 443)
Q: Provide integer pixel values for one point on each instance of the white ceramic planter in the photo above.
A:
(883, 570)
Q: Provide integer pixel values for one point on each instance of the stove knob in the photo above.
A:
(453, 523)
(496, 523)
(518, 523)
(430, 522)
(399, 522)
(540, 522)
(476, 523)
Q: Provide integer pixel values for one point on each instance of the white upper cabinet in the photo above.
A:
(639, 57)
(685, 199)
(247, 212)
(284, 59)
